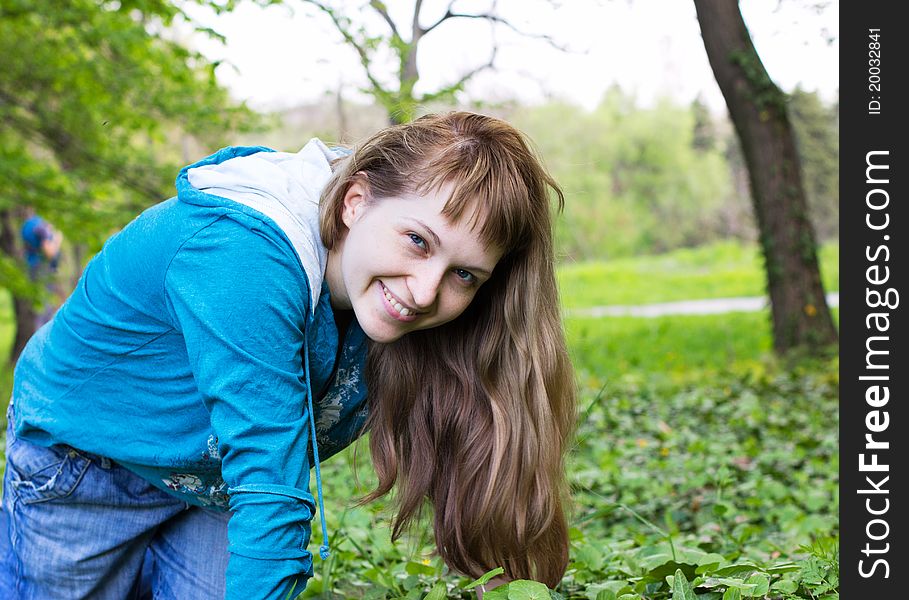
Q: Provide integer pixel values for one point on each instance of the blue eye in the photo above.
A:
(417, 240)
(465, 276)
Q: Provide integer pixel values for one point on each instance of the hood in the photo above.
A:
(283, 186)
(286, 188)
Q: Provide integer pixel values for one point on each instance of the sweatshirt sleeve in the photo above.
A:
(241, 301)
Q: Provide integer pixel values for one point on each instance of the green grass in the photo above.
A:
(721, 270)
(636, 348)
(674, 348)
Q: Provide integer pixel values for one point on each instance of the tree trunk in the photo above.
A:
(342, 115)
(801, 317)
(23, 309)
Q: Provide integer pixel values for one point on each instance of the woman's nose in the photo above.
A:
(424, 286)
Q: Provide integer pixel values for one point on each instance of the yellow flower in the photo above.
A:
(664, 451)
(810, 310)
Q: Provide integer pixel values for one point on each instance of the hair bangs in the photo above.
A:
(487, 191)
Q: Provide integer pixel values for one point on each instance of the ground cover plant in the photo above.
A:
(703, 469)
(716, 489)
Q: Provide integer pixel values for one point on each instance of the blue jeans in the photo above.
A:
(77, 525)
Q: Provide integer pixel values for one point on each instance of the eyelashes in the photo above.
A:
(418, 241)
(463, 275)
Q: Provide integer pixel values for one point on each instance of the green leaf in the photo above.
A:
(524, 589)
(375, 593)
(414, 594)
(415, 568)
(736, 569)
(607, 590)
(438, 592)
(786, 586)
(761, 583)
(681, 590)
(728, 582)
(707, 568)
(661, 571)
(484, 578)
(720, 509)
(733, 594)
(499, 593)
(783, 568)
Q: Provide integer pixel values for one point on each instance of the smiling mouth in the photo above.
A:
(395, 308)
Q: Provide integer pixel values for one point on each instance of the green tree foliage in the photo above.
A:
(634, 179)
(92, 94)
(647, 180)
(95, 99)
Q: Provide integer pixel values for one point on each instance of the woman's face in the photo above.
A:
(402, 265)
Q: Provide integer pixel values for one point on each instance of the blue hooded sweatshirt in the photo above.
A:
(189, 350)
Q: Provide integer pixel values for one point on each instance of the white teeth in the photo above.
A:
(397, 305)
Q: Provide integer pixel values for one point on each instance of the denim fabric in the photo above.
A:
(76, 525)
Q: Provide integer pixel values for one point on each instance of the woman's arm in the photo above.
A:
(240, 299)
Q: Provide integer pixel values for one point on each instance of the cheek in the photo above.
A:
(359, 256)
(456, 303)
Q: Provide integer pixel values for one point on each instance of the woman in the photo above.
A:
(229, 338)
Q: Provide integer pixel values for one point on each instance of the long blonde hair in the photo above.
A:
(474, 416)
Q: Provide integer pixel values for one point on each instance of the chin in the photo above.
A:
(380, 332)
(383, 337)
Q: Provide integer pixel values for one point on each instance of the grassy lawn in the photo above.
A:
(675, 348)
(722, 270)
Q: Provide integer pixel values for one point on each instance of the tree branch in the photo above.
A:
(493, 18)
(361, 51)
(380, 8)
(459, 84)
(448, 14)
(415, 26)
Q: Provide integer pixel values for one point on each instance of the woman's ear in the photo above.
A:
(355, 199)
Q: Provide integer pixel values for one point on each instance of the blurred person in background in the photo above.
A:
(42, 243)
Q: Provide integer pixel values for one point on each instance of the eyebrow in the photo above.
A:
(435, 238)
(438, 242)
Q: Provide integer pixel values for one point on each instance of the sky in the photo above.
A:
(279, 57)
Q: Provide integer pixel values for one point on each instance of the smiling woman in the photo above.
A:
(281, 305)
(472, 409)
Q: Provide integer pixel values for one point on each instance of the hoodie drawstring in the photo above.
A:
(324, 550)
